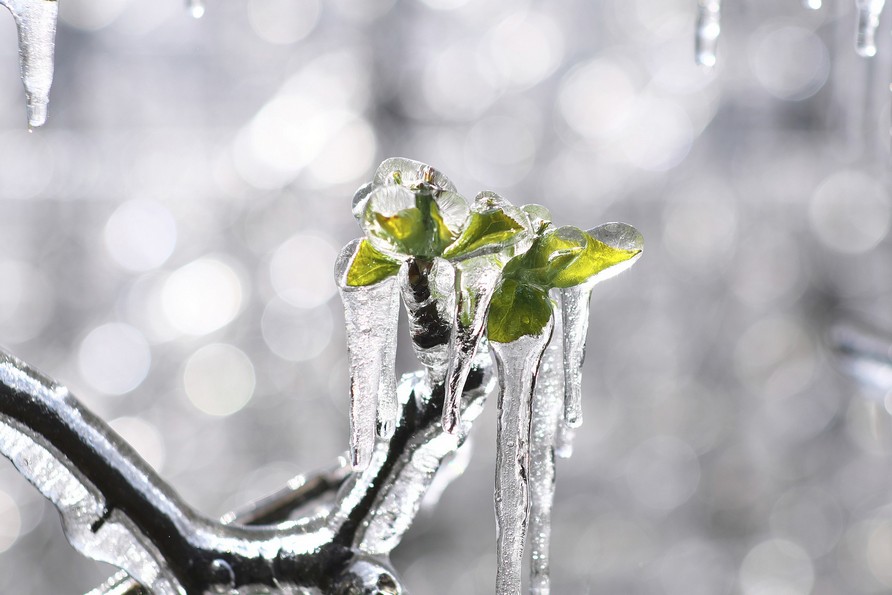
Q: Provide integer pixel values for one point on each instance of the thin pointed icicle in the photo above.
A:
(475, 282)
(575, 313)
(36, 24)
(547, 410)
(563, 444)
(372, 314)
(709, 27)
(868, 21)
(517, 363)
(196, 8)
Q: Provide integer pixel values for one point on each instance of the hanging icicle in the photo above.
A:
(709, 27)
(196, 8)
(35, 21)
(547, 411)
(869, 12)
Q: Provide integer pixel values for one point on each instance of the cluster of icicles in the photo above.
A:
(709, 16)
(451, 296)
(35, 22)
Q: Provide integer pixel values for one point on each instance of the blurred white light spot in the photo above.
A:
(296, 334)
(28, 164)
(777, 567)
(456, 85)
(346, 155)
(809, 516)
(287, 134)
(10, 521)
(301, 270)
(775, 357)
(879, 551)
(792, 63)
(526, 48)
(658, 134)
(850, 212)
(500, 150)
(283, 21)
(143, 437)
(114, 358)
(88, 15)
(26, 301)
(202, 296)
(701, 227)
(596, 98)
(445, 4)
(663, 472)
(141, 235)
(695, 568)
(363, 10)
(768, 267)
(219, 379)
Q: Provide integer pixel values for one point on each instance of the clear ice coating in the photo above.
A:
(428, 292)
(36, 24)
(709, 27)
(475, 281)
(869, 12)
(517, 363)
(372, 315)
(547, 411)
(114, 508)
(196, 8)
(575, 313)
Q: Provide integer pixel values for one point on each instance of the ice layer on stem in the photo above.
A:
(869, 12)
(35, 21)
(517, 363)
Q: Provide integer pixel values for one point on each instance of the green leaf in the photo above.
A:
(404, 223)
(596, 257)
(492, 227)
(370, 266)
(564, 257)
(517, 309)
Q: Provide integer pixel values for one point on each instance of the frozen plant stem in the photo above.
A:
(517, 363)
(35, 22)
(709, 27)
(869, 12)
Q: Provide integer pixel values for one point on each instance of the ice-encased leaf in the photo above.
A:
(372, 314)
(494, 225)
(36, 24)
(370, 266)
(405, 223)
(517, 363)
(410, 173)
(539, 217)
(620, 238)
(517, 309)
(475, 281)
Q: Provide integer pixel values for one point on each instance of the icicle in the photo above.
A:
(36, 24)
(575, 314)
(475, 282)
(196, 8)
(563, 446)
(517, 364)
(868, 20)
(372, 314)
(709, 26)
(547, 409)
(812, 4)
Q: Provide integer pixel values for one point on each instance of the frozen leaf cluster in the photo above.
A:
(474, 276)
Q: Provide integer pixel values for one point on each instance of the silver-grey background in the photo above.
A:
(166, 245)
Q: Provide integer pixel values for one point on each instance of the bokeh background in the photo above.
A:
(167, 244)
